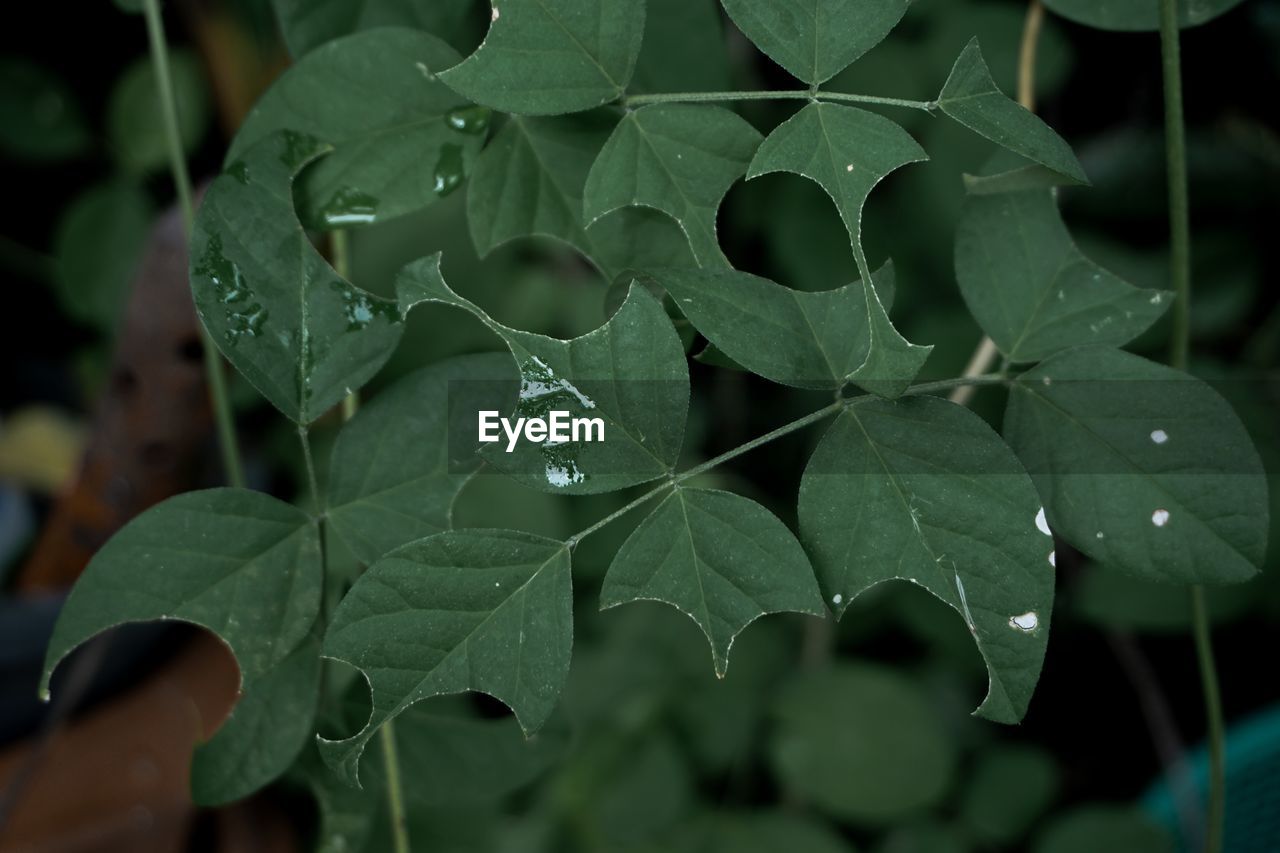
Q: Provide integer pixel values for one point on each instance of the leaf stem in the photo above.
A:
(182, 182)
(777, 95)
(395, 796)
(1180, 342)
(312, 483)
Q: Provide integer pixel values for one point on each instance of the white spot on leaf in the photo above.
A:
(1053, 559)
(495, 14)
(837, 598)
(1160, 517)
(1159, 436)
(1042, 524)
(1028, 621)
(849, 168)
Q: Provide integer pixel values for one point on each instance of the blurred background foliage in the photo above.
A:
(820, 739)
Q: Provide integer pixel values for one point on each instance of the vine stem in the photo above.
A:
(340, 255)
(782, 95)
(799, 423)
(985, 354)
(182, 182)
(1180, 342)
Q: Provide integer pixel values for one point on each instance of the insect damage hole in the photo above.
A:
(1028, 621)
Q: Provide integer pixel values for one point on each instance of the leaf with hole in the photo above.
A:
(815, 39)
(847, 151)
(544, 57)
(485, 610)
(923, 490)
(401, 140)
(680, 159)
(1032, 291)
(630, 374)
(300, 333)
(719, 558)
(1142, 467)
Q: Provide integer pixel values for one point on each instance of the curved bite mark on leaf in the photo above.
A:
(483, 610)
(238, 563)
(300, 333)
(847, 151)
(1030, 287)
(680, 159)
(721, 559)
(544, 57)
(922, 490)
(972, 98)
(630, 373)
(1086, 423)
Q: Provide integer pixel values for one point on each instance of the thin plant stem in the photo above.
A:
(395, 796)
(340, 252)
(780, 95)
(985, 354)
(1179, 345)
(313, 484)
(182, 183)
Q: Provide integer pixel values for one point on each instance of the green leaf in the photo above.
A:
(98, 244)
(1032, 290)
(1010, 789)
(269, 726)
(847, 151)
(680, 159)
(135, 123)
(401, 140)
(544, 57)
(630, 372)
(923, 490)
(861, 743)
(396, 469)
(721, 559)
(485, 610)
(808, 340)
(1130, 16)
(815, 39)
(684, 49)
(1122, 603)
(301, 334)
(755, 832)
(972, 98)
(40, 120)
(239, 563)
(1103, 829)
(308, 24)
(1142, 467)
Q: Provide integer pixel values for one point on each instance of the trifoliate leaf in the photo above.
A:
(815, 39)
(308, 24)
(847, 151)
(485, 610)
(544, 57)
(1032, 290)
(861, 743)
(399, 464)
(1126, 15)
(301, 334)
(923, 490)
(804, 339)
(135, 122)
(972, 98)
(1142, 467)
(680, 159)
(720, 559)
(401, 140)
(630, 374)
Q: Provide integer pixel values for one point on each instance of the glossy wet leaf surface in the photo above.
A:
(1032, 290)
(242, 564)
(847, 151)
(815, 39)
(301, 334)
(630, 373)
(680, 159)
(401, 139)
(399, 464)
(972, 98)
(1127, 15)
(808, 340)
(923, 490)
(544, 57)
(721, 559)
(1143, 468)
(485, 610)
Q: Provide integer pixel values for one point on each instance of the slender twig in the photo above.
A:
(985, 354)
(182, 183)
(779, 95)
(1180, 342)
